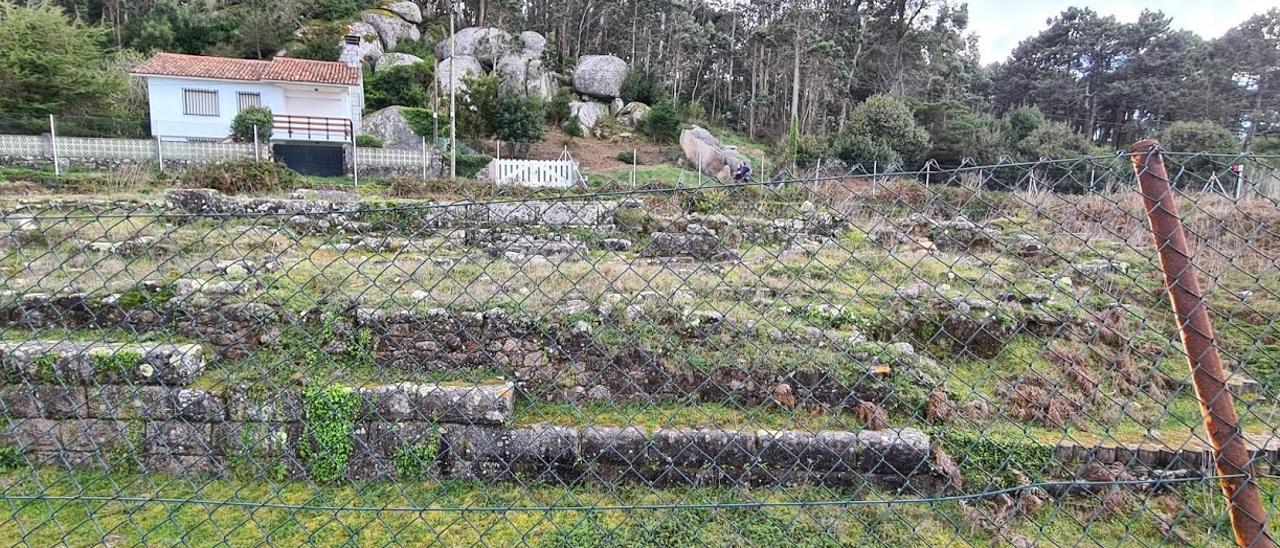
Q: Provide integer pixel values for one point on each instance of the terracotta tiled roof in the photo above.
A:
(227, 68)
(285, 69)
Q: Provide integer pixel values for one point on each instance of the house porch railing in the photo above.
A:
(312, 128)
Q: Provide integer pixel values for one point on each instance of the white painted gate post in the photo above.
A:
(53, 141)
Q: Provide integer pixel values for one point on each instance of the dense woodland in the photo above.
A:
(784, 71)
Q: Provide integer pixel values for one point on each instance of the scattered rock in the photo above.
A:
(712, 158)
(632, 113)
(340, 196)
(675, 244)
(616, 244)
(785, 396)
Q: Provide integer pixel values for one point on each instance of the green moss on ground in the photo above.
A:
(1197, 515)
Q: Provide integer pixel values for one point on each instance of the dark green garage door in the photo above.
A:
(318, 160)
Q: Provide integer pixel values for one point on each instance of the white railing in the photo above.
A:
(539, 173)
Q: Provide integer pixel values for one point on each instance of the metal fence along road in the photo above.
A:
(1081, 351)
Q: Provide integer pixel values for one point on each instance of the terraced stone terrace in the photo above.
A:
(843, 340)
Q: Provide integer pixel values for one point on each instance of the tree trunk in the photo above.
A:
(751, 106)
(795, 79)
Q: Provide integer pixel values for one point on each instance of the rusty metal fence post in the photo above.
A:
(1244, 503)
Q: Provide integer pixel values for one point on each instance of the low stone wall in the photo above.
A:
(553, 213)
(550, 360)
(398, 430)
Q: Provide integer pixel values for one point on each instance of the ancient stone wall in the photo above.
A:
(129, 407)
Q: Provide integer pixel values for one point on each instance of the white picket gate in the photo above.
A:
(540, 173)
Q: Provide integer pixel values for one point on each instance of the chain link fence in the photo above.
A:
(969, 355)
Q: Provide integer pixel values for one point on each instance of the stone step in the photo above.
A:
(99, 363)
(1192, 454)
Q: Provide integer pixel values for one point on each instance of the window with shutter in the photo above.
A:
(199, 102)
(246, 100)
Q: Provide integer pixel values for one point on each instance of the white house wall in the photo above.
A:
(168, 120)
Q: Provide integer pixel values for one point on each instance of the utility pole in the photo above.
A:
(453, 92)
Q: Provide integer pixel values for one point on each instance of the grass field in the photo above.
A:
(786, 301)
(237, 512)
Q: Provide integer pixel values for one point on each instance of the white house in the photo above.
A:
(195, 97)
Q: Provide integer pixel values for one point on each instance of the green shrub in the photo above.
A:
(241, 176)
(404, 85)
(471, 164)
(475, 108)
(643, 87)
(858, 148)
(559, 111)
(244, 124)
(423, 49)
(317, 49)
(1023, 121)
(882, 129)
(705, 201)
(1199, 137)
(519, 119)
(422, 123)
(662, 123)
(119, 362)
(10, 457)
(47, 366)
(368, 141)
(1052, 140)
(326, 446)
(413, 462)
(571, 127)
(627, 157)
(334, 10)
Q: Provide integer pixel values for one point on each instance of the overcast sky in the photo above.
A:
(1001, 24)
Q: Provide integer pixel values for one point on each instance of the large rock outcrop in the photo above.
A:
(394, 59)
(710, 156)
(532, 44)
(408, 11)
(452, 73)
(600, 76)
(524, 75)
(588, 114)
(485, 44)
(371, 50)
(391, 28)
(390, 126)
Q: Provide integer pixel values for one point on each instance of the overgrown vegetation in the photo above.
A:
(413, 462)
(403, 85)
(115, 363)
(369, 141)
(327, 445)
(241, 176)
(10, 458)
